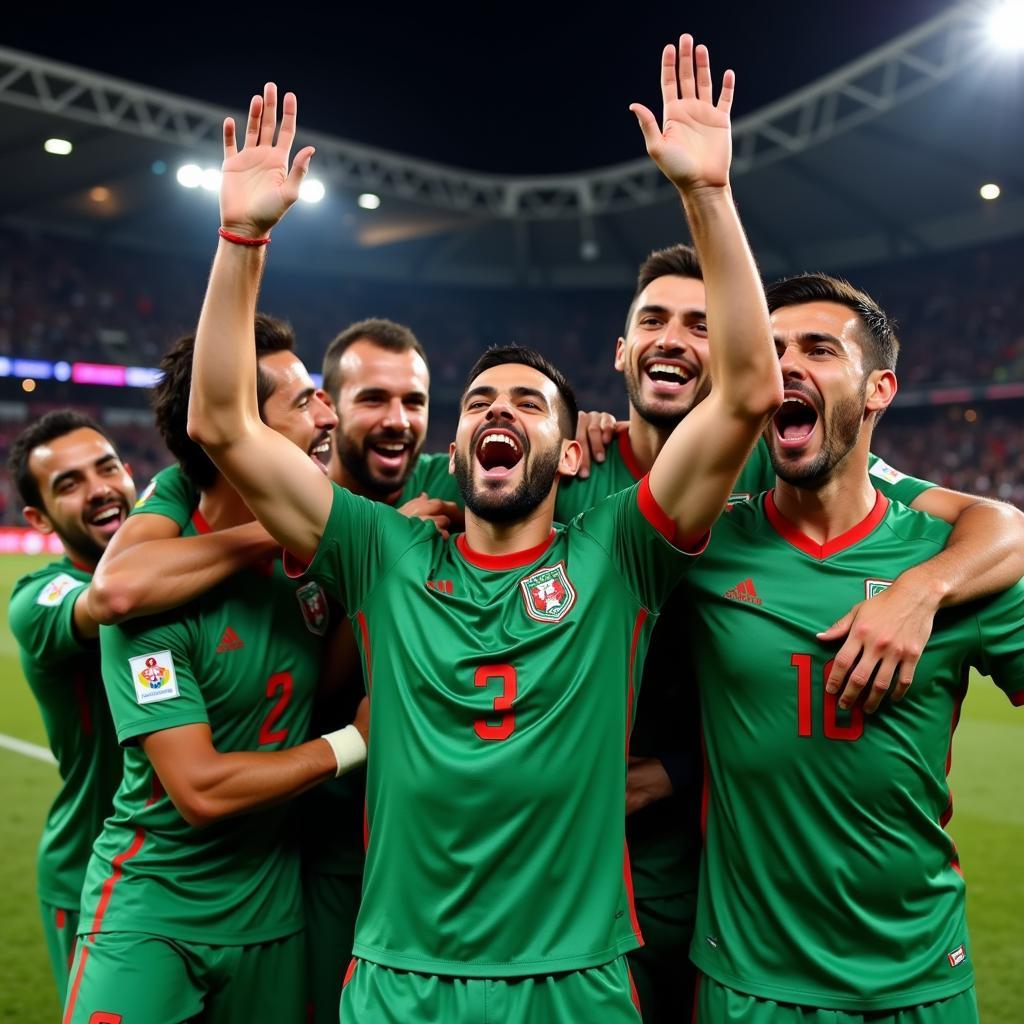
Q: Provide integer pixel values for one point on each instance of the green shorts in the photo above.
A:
(330, 903)
(717, 1004)
(60, 926)
(380, 995)
(134, 978)
(661, 967)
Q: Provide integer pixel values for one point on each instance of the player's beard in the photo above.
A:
(840, 432)
(538, 476)
(661, 419)
(353, 456)
(76, 536)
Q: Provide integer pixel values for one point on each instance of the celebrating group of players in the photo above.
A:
(784, 780)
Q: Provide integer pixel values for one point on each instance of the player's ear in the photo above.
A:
(451, 459)
(572, 455)
(37, 519)
(881, 390)
(620, 354)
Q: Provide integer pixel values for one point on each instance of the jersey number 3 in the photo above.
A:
(831, 727)
(506, 724)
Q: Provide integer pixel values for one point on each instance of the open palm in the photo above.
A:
(693, 145)
(257, 188)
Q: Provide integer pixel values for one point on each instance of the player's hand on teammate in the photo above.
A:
(646, 782)
(693, 145)
(257, 188)
(884, 639)
(594, 432)
(445, 515)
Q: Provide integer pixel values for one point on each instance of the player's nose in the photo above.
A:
(324, 415)
(396, 417)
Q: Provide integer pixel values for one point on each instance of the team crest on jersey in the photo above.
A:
(872, 588)
(54, 591)
(313, 602)
(154, 677)
(146, 494)
(736, 497)
(548, 593)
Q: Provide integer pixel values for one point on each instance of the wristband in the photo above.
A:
(241, 239)
(349, 748)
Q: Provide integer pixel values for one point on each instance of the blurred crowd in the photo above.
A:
(960, 322)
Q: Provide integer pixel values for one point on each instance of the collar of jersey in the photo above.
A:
(496, 563)
(800, 540)
(629, 458)
(200, 523)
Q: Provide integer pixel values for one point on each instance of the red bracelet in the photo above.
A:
(241, 239)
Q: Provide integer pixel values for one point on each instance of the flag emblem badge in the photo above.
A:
(548, 594)
(313, 602)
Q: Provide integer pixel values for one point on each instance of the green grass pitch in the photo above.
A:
(988, 766)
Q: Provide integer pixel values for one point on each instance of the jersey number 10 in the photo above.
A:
(831, 727)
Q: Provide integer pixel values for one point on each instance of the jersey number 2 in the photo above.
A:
(506, 725)
(279, 685)
(831, 727)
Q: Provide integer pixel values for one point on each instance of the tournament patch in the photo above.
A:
(548, 593)
(874, 587)
(885, 472)
(146, 494)
(313, 602)
(54, 591)
(153, 676)
(957, 957)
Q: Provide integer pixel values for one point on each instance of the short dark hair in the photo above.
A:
(170, 396)
(679, 260)
(878, 335)
(53, 425)
(378, 331)
(500, 355)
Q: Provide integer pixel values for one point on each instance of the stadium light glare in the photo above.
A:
(210, 179)
(1006, 26)
(368, 201)
(28, 385)
(99, 194)
(312, 190)
(190, 176)
(990, 191)
(58, 147)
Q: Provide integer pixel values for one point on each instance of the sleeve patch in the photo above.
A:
(55, 590)
(146, 494)
(154, 677)
(885, 472)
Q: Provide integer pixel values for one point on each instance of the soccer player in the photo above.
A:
(829, 883)
(191, 905)
(74, 484)
(663, 358)
(496, 873)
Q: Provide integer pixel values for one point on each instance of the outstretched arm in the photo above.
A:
(282, 486)
(695, 471)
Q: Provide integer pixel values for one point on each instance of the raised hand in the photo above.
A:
(257, 188)
(693, 146)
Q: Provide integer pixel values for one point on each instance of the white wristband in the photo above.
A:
(349, 748)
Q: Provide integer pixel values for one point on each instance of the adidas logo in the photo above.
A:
(441, 586)
(744, 592)
(230, 641)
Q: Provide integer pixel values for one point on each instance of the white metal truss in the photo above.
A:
(862, 90)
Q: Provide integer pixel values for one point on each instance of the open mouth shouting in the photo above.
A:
(105, 518)
(498, 451)
(320, 451)
(388, 453)
(795, 421)
(669, 375)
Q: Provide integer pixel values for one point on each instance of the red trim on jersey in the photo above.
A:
(60, 919)
(627, 873)
(364, 632)
(73, 997)
(633, 994)
(90, 569)
(200, 523)
(349, 972)
(629, 457)
(496, 563)
(627, 880)
(117, 864)
(665, 524)
(1017, 699)
(82, 700)
(789, 532)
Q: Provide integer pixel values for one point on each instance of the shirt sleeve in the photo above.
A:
(361, 541)
(1001, 639)
(638, 536)
(42, 616)
(148, 676)
(170, 493)
(893, 484)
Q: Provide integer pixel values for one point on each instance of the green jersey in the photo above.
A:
(245, 660)
(502, 693)
(828, 878)
(430, 474)
(170, 493)
(63, 672)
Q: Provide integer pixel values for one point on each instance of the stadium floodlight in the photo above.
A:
(1006, 25)
(210, 179)
(190, 176)
(28, 385)
(58, 147)
(99, 194)
(990, 191)
(312, 190)
(368, 201)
